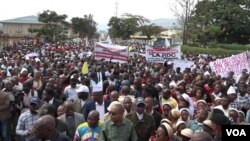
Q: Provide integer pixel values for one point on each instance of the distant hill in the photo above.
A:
(164, 22)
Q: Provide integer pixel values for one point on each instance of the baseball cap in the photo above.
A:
(140, 100)
(34, 100)
(82, 88)
(112, 104)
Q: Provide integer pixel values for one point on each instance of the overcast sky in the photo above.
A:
(101, 9)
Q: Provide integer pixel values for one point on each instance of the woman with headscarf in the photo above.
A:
(174, 115)
(180, 125)
(166, 109)
(186, 134)
(164, 133)
(185, 116)
(242, 118)
(185, 101)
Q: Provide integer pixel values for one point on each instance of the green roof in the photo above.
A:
(23, 20)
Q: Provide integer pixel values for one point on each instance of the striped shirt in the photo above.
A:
(26, 122)
(86, 133)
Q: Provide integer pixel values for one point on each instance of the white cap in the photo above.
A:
(161, 85)
(37, 60)
(207, 73)
(179, 123)
(82, 88)
(187, 132)
(23, 69)
(231, 90)
(112, 104)
(172, 84)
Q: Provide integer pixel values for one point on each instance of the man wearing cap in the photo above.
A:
(83, 95)
(27, 119)
(143, 122)
(233, 98)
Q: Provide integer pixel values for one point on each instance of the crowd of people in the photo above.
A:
(45, 96)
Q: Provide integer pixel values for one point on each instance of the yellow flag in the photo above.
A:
(85, 68)
(130, 48)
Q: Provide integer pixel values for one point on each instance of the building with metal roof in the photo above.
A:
(17, 30)
(23, 20)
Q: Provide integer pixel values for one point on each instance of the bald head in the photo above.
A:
(201, 136)
(47, 122)
(93, 118)
(69, 108)
(119, 108)
(114, 96)
(125, 90)
(94, 114)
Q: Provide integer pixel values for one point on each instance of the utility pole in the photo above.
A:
(116, 8)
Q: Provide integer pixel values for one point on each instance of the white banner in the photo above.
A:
(183, 64)
(235, 63)
(160, 55)
(111, 52)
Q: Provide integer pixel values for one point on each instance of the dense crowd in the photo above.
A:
(46, 96)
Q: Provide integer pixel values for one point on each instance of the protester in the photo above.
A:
(28, 119)
(89, 130)
(109, 130)
(173, 92)
(45, 130)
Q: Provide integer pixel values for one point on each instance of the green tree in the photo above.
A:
(122, 27)
(85, 27)
(225, 21)
(152, 29)
(201, 26)
(148, 29)
(54, 25)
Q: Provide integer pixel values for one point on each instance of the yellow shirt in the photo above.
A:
(171, 101)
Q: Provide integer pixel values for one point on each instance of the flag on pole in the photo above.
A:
(85, 68)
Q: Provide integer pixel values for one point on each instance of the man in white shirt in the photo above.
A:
(98, 104)
(70, 91)
(224, 106)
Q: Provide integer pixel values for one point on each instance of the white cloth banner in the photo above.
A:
(235, 63)
(183, 64)
(111, 52)
(160, 55)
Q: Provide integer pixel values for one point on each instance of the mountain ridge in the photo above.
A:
(164, 22)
